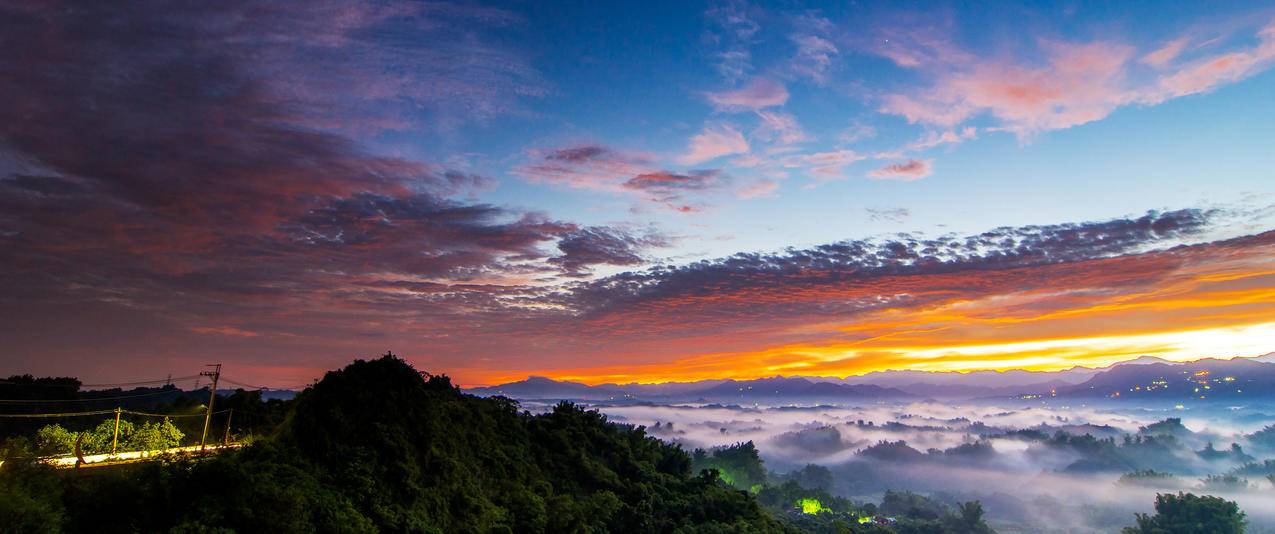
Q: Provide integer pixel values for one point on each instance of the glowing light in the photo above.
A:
(811, 506)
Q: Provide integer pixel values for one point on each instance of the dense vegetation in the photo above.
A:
(175, 417)
(55, 440)
(378, 446)
(1186, 513)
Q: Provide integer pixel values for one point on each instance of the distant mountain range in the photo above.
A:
(1147, 377)
(775, 389)
(1204, 379)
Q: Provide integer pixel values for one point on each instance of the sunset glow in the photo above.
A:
(641, 194)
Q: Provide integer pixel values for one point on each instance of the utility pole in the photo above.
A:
(212, 397)
(225, 436)
(116, 438)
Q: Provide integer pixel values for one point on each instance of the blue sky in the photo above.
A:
(639, 80)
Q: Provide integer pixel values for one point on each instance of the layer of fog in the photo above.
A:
(1021, 482)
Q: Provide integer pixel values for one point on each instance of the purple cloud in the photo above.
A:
(913, 169)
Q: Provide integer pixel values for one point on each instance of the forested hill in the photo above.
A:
(378, 446)
(412, 452)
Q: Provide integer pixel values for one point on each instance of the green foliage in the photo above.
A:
(1226, 483)
(53, 439)
(738, 465)
(16, 447)
(1266, 467)
(1171, 426)
(413, 453)
(919, 514)
(30, 499)
(56, 440)
(378, 447)
(786, 496)
(813, 476)
(149, 436)
(1186, 513)
(908, 504)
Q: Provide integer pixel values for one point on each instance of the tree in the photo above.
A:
(153, 436)
(98, 441)
(53, 440)
(1186, 513)
(969, 519)
(814, 477)
(381, 447)
(30, 499)
(738, 465)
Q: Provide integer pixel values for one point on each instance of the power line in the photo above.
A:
(157, 381)
(139, 395)
(92, 399)
(172, 415)
(144, 382)
(253, 386)
(102, 412)
(63, 414)
(102, 385)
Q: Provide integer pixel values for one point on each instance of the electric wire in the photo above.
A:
(92, 399)
(254, 386)
(104, 384)
(102, 412)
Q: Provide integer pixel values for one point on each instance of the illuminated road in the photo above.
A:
(65, 462)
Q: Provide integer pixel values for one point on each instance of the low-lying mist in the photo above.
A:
(1036, 467)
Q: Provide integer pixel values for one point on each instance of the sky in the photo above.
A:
(636, 192)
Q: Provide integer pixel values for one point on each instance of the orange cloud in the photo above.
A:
(1215, 300)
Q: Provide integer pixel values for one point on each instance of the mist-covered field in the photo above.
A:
(1036, 466)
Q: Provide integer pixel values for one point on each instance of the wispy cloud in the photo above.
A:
(585, 166)
(1076, 83)
(825, 166)
(714, 141)
(778, 127)
(815, 50)
(600, 168)
(1161, 57)
(913, 169)
(933, 139)
(731, 39)
(888, 214)
(670, 188)
(760, 93)
(759, 189)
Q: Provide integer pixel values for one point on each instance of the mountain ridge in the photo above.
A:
(1131, 376)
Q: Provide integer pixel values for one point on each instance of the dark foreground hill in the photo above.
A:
(378, 446)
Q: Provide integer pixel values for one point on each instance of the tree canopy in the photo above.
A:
(1187, 513)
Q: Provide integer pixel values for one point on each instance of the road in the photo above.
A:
(66, 462)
